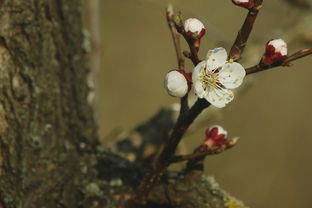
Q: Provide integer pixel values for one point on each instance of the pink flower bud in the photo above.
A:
(215, 136)
(194, 28)
(248, 4)
(176, 83)
(275, 51)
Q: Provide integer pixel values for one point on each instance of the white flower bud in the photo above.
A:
(244, 3)
(193, 25)
(279, 45)
(216, 130)
(215, 136)
(176, 84)
(241, 1)
(275, 51)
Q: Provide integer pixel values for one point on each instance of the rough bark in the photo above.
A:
(43, 111)
(49, 154)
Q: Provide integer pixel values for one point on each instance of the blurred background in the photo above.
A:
(271, 113)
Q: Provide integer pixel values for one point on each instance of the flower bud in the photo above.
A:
(176, 83)
(170, 12)
(194, 28)
(215, 136)
(248, 4)
(275, 51)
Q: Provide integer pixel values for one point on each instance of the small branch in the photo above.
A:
(191, 43)
(243, 34)
(184, 121)
(175, 37)
(298, 55)
(180, 59)
(287, 62)
(200, 154)
(192, 156)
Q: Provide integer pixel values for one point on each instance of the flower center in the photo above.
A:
(209, 79)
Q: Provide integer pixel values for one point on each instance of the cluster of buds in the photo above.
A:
(178, 83)
(248, 4)
(275, 52)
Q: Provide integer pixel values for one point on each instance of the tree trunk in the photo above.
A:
(44, 114)
(49, 151)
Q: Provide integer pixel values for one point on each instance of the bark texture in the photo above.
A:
(49, 152)
(43, 93)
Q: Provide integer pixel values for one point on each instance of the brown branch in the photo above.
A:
(243, 34)
(193, 51)
(192, 156)
(175, 37)
(184, 121)
(184, 104)
(300, 54)
(287, 62)
(180, 59)
(199, 154)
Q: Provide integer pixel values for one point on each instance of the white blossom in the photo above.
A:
(215, 77)
(176, 84)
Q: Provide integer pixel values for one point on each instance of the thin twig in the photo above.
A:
(243, 34)
(196, 159)
(180, 59)
(297, 55)
(175, 37)
(191, 43)
(199, 154)
(192, 156)
(287, 62)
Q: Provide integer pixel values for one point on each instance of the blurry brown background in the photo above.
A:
(271, 166)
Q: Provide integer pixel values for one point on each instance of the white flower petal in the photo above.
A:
(199, 90)
(197, 84)
(216, 58)
(231, 75)
(220, 97)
